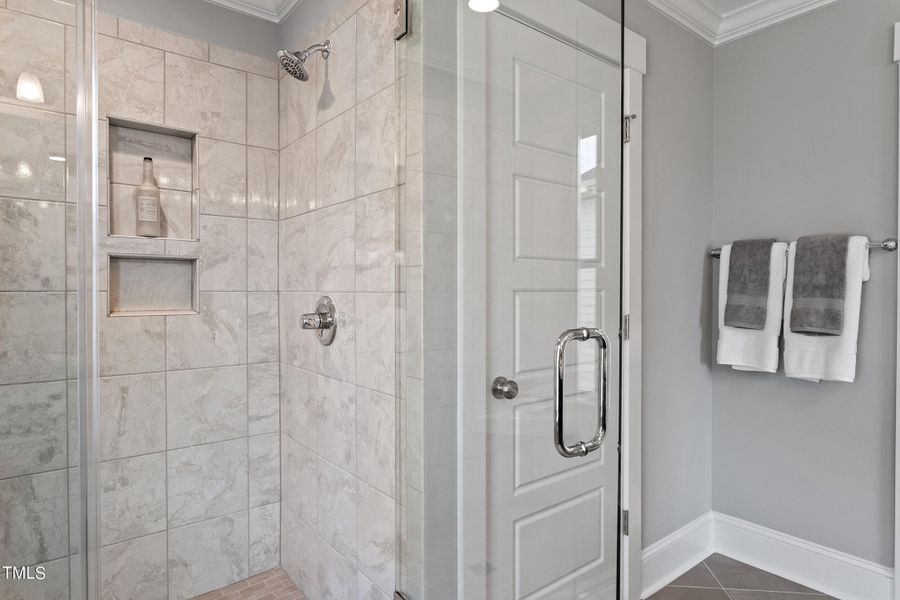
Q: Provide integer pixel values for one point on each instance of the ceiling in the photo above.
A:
(716, 21)
(720, 21)
(270, 10)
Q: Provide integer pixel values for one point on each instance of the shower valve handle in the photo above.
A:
(323, 321)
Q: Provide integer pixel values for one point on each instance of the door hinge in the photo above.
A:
(401, 18)
(626, 327)
(627, 126)
(624, 522)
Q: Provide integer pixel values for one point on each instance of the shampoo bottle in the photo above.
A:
(147, 203)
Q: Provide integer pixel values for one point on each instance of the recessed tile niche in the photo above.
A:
(152, 285)
(175, 166)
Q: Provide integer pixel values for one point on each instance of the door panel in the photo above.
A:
(553, 219)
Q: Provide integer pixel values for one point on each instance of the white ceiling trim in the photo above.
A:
(718, 28)
(255, 8)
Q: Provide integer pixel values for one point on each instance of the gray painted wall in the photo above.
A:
(202, 20)
(678, 213)
(805, 141)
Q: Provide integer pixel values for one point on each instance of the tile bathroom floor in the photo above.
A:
(722, 578)
(268, 585)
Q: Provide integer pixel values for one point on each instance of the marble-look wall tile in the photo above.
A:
(337, 576)
(72, 159)
(172, 158)
(338, 360)
(132, 497)
(30, 137)
(223, 178)
(299, 553)
(374, 47)
(131, 344)
(215, 337)
(261, 65)
(297, 176)
(262, 183)
(335, 160)
(131, 80)
(368, 591)
(336, 77)
(35, 46)
(263, 393)
(297, 106)
(262, 256)
(376, 242)
(53, 10)
(34, 519)
(32, 428)
(55, 586)
(164, 40)
(262, 330)
(207, 556)
(336, 439)
(207, 481)
(262, 111)
(297, 263)
(265, 486)
(132, 415)
(298, 346)
(299, 480)
(300, 405)
(264, 538)
(207, 97)
(376, 436)
(377, 547)
(206, 405)
(376, 142)
(33, 343)
(223, 254)
(135, 569)
(375, 335)
(337, 514)
(335, 247)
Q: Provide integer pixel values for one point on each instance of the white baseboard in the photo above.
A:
(670, 557)
(835, 573)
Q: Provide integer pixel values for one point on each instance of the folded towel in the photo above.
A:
(832, 358)
(820, 273)
(753, 349)
(748, 283)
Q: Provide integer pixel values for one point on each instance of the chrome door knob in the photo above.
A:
(504, 388)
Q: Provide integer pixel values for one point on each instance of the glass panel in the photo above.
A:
(46, 291)
(510, 232)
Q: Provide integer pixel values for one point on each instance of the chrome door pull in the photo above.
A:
(581, 334)
(504, 388)
(323, 321)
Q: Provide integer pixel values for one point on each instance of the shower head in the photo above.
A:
(294, 63)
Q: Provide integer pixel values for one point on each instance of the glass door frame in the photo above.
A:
(602, 37)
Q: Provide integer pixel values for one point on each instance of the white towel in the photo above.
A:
(828, 357)
(753, 349)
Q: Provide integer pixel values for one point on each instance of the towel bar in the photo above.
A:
(888, 245)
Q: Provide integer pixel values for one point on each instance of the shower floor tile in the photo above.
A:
(269, 585)
(721, 578)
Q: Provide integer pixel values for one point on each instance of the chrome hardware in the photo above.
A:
(627, 124)
(504, 388)
(887, 244)
(323, 321)
(401, 19)
(581, 334)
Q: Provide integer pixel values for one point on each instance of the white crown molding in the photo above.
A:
(719, 28)
(248, 7)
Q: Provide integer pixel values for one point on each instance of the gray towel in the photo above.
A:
(820, 280)
(748, 284)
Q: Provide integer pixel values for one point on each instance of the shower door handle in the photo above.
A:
(582, 334)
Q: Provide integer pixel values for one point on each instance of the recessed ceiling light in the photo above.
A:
(484, 5)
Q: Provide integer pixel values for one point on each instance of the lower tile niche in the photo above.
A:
(152, 285)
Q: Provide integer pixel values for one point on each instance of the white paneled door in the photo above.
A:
(553, 167)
